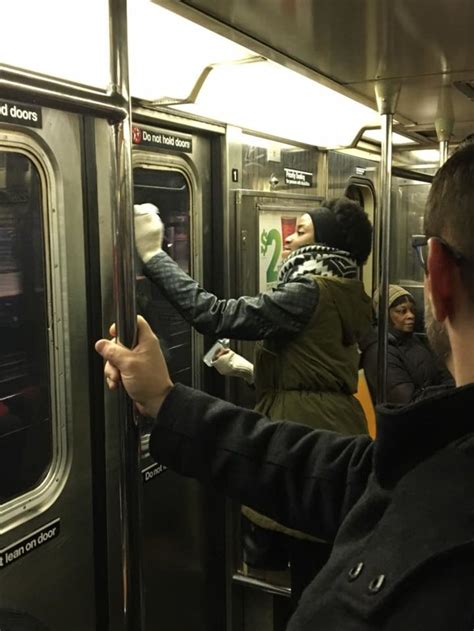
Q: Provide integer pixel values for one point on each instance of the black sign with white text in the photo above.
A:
(153, 471)
(31, 542)
(20, 114)
(162, 139)
(298, 178)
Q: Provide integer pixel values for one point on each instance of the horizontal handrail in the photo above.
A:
(28, 86)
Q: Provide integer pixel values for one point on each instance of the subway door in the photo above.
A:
(46, 519)
(183, 521)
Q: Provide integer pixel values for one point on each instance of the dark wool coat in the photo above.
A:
(400, 510)
(412, 368)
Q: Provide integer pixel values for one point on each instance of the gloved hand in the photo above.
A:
(148, 231)
(231, 364)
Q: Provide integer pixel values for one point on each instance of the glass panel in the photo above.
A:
(408, 207)
(25, 407)
(169, 190)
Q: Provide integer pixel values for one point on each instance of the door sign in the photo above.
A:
(20, 114)
(153, 471)
(274, 228)
(298, 178)
(162, 139)
(31, 542)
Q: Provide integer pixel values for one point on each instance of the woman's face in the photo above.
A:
(304, 235)
(403, 316)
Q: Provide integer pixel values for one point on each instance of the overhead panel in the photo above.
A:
(425, 44)
(221, 80)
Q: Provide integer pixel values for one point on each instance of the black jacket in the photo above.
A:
(283, 311)
(411, 367)
(400, 510)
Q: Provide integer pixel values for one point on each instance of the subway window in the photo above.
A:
(26, 433)
(169, 190)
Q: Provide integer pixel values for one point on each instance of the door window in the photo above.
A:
(169, 190)
(25, 406)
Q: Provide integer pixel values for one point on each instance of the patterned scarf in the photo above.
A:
(320, 260)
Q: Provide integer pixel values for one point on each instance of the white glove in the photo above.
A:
(231, 364)
(148, 231)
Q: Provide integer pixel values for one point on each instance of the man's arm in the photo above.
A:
(305, 479)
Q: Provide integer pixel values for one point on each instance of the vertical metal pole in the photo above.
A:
(444, 122)
(387, 96)
(124, 296)
(443, 152)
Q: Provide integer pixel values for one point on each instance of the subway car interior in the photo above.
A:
(233, 118)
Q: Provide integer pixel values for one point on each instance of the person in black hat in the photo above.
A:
(307, 358)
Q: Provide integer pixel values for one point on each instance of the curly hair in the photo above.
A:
(355, 224)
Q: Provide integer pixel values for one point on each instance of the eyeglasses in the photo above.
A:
(420, 244)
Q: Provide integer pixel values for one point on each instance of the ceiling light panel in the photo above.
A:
(397, 139)
(66, 40)
(277, 101)
(168, 53)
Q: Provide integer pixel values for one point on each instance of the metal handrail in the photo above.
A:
(27, 86)
(256, 583)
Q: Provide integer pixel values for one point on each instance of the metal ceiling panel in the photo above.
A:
(423, 43)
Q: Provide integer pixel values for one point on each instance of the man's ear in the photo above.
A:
(442, 278)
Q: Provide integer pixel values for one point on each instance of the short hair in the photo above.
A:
(449, 209)
(466, 141)
(355, 224)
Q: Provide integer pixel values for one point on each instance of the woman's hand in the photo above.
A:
(148, 231)
(231, 364)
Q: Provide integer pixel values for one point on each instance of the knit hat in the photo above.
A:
(327, 230)
(394, 292)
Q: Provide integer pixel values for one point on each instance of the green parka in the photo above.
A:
(310, 378)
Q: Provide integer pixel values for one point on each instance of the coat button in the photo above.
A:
(355, 571)
(376, 584)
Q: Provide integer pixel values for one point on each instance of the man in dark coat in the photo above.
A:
(400, 510)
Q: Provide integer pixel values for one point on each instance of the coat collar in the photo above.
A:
(408, 435)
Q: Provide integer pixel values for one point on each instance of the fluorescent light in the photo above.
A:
(426, 155)
(397, 139)
(277, 101)
(167, 53)
(263, 97)
(68, 40)
(263, 143)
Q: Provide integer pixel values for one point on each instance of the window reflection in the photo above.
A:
(169, 191)
(25, 411)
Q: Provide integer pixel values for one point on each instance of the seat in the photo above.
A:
(364, 398)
